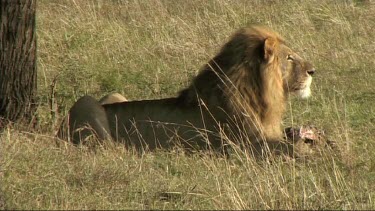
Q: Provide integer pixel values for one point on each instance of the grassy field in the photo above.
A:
(151, 49)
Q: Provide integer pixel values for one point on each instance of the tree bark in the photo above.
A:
(17, 61)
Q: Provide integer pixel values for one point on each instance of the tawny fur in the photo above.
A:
(112, 98)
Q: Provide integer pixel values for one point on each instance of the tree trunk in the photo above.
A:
(17, 61)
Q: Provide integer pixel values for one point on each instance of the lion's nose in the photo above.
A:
(311, 71)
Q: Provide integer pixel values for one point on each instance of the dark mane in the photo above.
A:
(245, 47)
(235, 81)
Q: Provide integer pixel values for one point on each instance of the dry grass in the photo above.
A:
(150, 49)
(41, 175)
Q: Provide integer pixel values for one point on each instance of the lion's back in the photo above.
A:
(160, 123)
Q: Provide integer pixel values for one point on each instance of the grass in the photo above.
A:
(151, 49)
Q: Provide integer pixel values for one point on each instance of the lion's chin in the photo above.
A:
(304, 93)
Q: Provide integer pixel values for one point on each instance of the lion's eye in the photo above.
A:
(290, 57)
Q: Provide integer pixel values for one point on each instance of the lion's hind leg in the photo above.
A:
(87, 117)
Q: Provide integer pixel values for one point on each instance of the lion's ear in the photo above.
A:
(270, 45)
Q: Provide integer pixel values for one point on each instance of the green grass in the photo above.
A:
(151, 49)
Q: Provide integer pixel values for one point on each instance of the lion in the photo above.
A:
(239, 95)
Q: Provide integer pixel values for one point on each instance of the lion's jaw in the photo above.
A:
(305, 92)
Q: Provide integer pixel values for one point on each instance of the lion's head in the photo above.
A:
(296, 72)
(250, 79)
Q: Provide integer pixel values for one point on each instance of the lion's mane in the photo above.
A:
(237, 81)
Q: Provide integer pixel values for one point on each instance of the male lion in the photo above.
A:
(239, 95)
